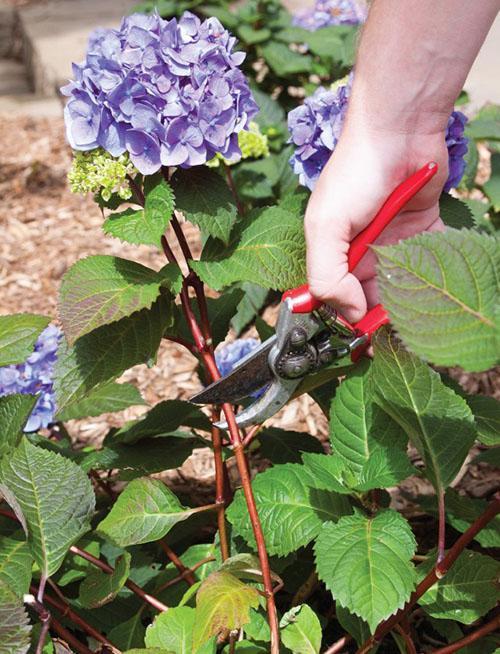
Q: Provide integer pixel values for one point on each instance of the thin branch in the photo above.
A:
(232, 186)
(251, 435)
(433, 576)
(410, 647)
(486, 629)
(441, 526)
(44, 616)
(139, 195)
(68, 637)
(220, 485)
(188, 575)
(182, 341)
(339, 645)
(175, 580)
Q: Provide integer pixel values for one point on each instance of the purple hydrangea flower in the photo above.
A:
(168, 92)
(331, 12)
(316, 125)
(33, 377)
(228, 355)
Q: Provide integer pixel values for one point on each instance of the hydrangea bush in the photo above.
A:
(303, 544)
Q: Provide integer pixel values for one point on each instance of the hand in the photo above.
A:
(362, 172)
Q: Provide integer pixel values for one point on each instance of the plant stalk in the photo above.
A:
(486, 629)
(186, 572)
(339, 645)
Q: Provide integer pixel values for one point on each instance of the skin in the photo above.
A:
(413, 59)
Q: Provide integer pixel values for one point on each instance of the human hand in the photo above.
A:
(362, 172)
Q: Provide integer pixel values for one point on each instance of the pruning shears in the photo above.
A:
(310, 336)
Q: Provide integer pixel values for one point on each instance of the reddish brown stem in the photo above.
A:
(186, 572)
(220, 490)
(486, 629)
(68, 637)
(410, 647)
(44, 616)
(232, 186)
(251, 435)
(175, 580)
(339, 645)
(181, 341)
(137, 191)
(441, 526)
(434, 575)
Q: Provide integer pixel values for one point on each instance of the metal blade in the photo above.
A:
(251, 373)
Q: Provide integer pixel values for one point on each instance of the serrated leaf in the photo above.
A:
(251, 36)
(162, 420)
(301, 630)
(108, 398)
(284, 61)
(441, 293)
(486, 412)
(267, 248)
(205, 200)
(292, 511)
(384, 469)
(358, 426)
(353, 624)
(144, 512)
(284, 446)
(18, 334)
(99, 587)
(14, 413)
(468, 590)
(55, 498)
(454, 213)
(366, 563)
(271, 113)
(492, 186)
(102, 289)
(328, 472)
(129, 633)
(258, 627)
(249, 306)
(486, 125)
(107, 352)
(15, 629)
(223, 603)
(15, 569)
(415, 397)
(173, 631)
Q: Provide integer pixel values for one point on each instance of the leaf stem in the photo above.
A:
(45, 617)
(68, 637)
(487, 628)
(232, 186)
(434, 575)
(180, 577)
(410, 646)
(188, 575)
(441, 526)
(339, 645)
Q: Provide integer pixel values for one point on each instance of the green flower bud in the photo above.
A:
(97, 171)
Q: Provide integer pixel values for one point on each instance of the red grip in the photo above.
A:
(301, 298)
(369, 324)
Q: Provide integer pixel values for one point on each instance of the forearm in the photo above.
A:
(413, 60)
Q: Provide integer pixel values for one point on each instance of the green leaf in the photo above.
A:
(220, 312)
(129, 633)
(301, 630)
(454, 213)
(15, 569)
(99, 587)
(384, 469)
(15, 629)
(283, 446)
(142, 650)
(267, 248)
(415, 397)
(283, 61)
(292, 511)
(18, 334)
(14, 413)
(251, 36)
(162, 420)
(486, 125)
(223, 603)
(102, 289)
(107, 352)
(205, 200)
(486, 412)
(249, 306)
(366, 563)
(441, 293)
(328, 471)
(492, 186)
(467, 591)
(158, 208)
(108, 398)
(53, 499)
(352, 624)
(145, 511)
(173, 631)
(271, 113)
(491, 457)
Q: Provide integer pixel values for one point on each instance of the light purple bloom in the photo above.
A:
(316, 125)
(331, 12)
(168, 92)
(228, 355)
(34, 377)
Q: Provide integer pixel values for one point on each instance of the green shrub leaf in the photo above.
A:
(486, 412)
(15, 569)
(486, 125)
(467, 591)
(145, 511)
(284, 61)
(301, 630)
(454, 213)
(14, 413)
(492, 186)
(53, 499)
(107, 352)
(415, 397)
(266, 248)
(99, 587)
(102, 289)
(173, 631)
(291, 509)
(205, 200)
(284, 446)
(18, 334)
(366, 563)
(15, 629)
(129, 633)
(108, 398)
(223, 603)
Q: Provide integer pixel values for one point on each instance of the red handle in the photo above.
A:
(302, 300)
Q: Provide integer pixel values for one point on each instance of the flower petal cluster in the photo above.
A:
(316, 125)
(98, 172)
(331, 12)
(253, 145)
(457, 145)
(34, 377)
(168, 92)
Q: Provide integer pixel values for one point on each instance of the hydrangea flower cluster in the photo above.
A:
(98, 172)
(253, 145)
(331, 12)
(316, 125)
(167, 92)
(34, 376)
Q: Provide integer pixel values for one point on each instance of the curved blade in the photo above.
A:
(251, 374)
